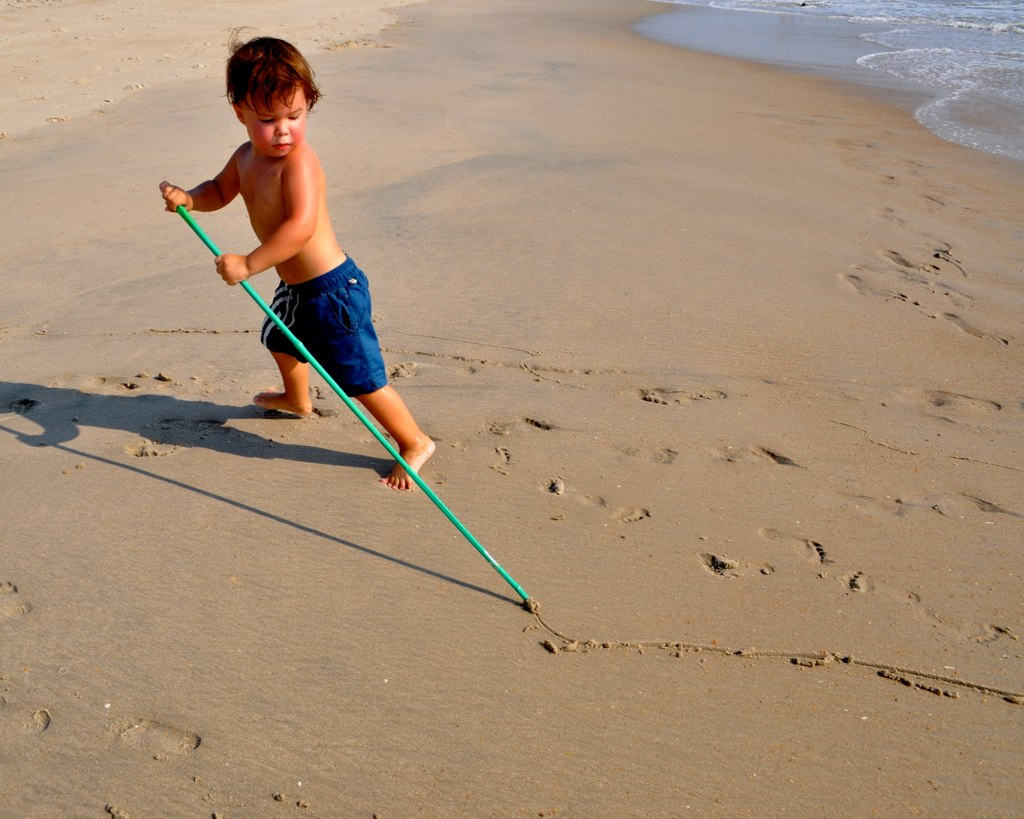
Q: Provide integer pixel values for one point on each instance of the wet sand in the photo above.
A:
(722, 366)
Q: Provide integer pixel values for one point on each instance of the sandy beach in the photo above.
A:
(723, 364)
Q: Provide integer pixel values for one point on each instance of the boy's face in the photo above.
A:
(275, 133)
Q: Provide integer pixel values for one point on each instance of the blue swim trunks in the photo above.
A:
(330, 315)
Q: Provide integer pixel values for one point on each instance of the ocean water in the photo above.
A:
(964, 59)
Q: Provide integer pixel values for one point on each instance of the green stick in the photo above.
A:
(530, 605)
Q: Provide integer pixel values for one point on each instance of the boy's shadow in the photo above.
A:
(162, 419)
(60, 412)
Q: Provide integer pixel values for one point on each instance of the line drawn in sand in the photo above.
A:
(910, 677)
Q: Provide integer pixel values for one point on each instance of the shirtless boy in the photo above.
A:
(323, 297)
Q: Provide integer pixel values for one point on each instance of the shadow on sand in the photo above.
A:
(60, 413)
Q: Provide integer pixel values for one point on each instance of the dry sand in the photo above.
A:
(759, 333)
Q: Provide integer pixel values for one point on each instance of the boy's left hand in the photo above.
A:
(233, 268)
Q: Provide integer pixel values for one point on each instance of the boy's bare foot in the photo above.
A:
(279, 401)
(415, 456)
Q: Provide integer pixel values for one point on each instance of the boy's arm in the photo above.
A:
(300, 192)
(213, 194)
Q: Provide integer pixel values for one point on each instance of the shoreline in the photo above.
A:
(816, 46)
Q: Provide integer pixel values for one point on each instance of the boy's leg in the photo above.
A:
(295, 397)
(390, 410)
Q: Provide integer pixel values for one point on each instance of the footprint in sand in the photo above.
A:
(149, 449)
(900, 260)
(809, 549)
(508, 427)
(754, 454)
(200, 429)
(12, 604)
(990, 508)
(989, 633)
(867, 288)
(29, 723)
(36, 722)
(21, 405)
(929, 296)
(504, 460)
(16, 720)
(950, 402)
(890, 215)
(667, 395)
(156, 737)
(813, 553)
(556, 486)
(665, 455)
(970, 631)
(920, 284)
(943, 254)
(971, 330)
(119, 382)
(722, 566)
(406, 369)
(623, 514)
(947, 505)
(859, 582)
(631, 514)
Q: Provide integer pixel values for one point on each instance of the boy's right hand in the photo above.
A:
(175, 196)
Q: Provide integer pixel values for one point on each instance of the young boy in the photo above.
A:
(323, 297)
